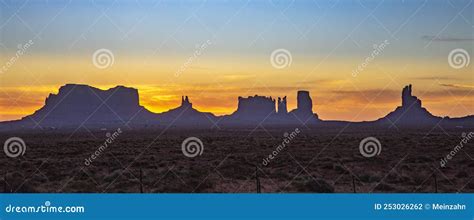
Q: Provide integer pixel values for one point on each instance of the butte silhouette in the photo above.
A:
(84, 106)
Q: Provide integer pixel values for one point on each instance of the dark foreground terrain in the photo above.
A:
(315, 160)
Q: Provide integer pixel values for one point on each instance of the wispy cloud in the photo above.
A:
(236, 77)
(428, 78)
(457, 86)
(322, 82)
(377, 96)
(447, 39)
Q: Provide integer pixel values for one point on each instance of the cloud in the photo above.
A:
(322, 82)
(375, 96)
(457, 86)
(236, 77)
(446, 39)
(435, 78)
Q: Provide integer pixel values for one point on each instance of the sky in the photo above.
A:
(353, 56)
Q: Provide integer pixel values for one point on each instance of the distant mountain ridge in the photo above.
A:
(85, 106)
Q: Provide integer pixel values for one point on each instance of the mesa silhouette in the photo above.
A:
(78, 106)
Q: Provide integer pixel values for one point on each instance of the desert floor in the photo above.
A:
(316, 160)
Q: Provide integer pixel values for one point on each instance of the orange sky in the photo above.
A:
(213, 83)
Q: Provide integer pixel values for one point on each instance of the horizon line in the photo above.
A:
(216, 115)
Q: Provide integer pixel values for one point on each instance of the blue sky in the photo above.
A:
(308, 27)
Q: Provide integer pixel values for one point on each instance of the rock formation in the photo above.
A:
(305, 103)
(410, 113)
(408, 100)
(185, 102)
(255, 107)
(260, 110)
(82, 104)
(186, 115)
(304, 111)
(282, 109)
